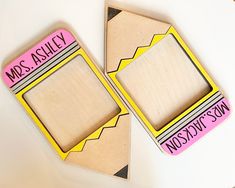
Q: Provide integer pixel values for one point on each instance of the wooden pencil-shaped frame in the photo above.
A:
(27, 71)
(190, 125)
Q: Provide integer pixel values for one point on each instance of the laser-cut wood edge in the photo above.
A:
(108, 154)
(211, 84)
(74, 81)
(39, 125)
(175, 70)
(127, 48)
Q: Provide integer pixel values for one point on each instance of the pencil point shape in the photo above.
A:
(112, 12)
(123, 173)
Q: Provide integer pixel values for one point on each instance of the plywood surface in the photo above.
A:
(163, 82)
(72, 103)
(109, 153)
(127, 31)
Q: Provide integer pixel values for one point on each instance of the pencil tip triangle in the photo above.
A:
(112, 12)
(123, 173)
(113, 147)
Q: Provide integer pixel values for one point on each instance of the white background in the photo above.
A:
(26, 158)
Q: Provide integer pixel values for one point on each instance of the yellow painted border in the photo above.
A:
(139, 52)
(94, 135)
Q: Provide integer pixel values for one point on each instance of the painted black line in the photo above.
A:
(41, 75)
(105, 128)
(190, 121)
(53, 136)
(42, 64)
(43, 70)
(196, 110)
(136, 51)
(167, 135)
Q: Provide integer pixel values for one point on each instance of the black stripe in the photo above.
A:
(189, 117)
(191, 121)
(106, 128)
(190, 112)
(78, 142)
(44, 68)
(148, 45)
(42, 64)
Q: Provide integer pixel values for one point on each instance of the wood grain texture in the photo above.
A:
(72, 103)
(110, 152)
(127, 31)
(163, 82)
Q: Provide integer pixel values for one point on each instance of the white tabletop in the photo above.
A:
(27, 160)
